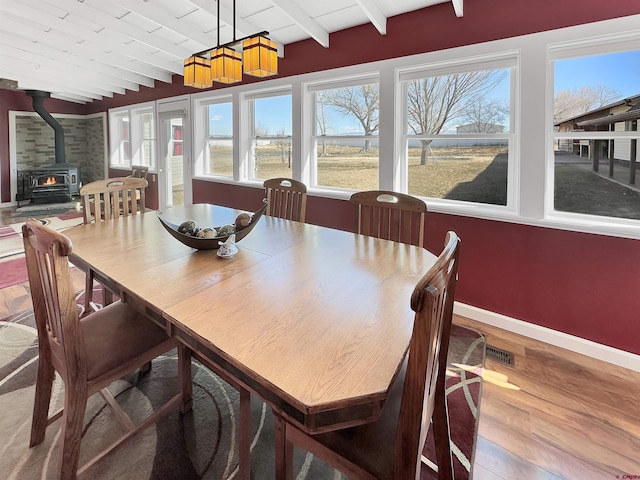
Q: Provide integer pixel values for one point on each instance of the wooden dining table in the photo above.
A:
(315, 321)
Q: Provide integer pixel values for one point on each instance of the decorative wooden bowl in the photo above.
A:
(212, 243)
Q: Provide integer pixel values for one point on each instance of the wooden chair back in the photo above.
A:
(54, 304)
(104, 199)
(390, 215)
(287, 198)
(432, 301)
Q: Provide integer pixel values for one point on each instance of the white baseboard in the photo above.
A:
(552, 337)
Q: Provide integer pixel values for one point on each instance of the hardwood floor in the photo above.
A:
(573, 417)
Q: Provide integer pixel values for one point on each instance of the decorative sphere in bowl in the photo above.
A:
(226, 230)
(207, 232)
(189, 227)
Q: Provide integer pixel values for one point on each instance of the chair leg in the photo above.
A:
(184, 377)
(441, 434)
(75, 404)
(44, 383)
(107, 296)
(88, 291)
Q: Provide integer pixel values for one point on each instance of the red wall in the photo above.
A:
(576, 283)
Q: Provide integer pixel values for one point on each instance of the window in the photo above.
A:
(220, 139)
(132, 132)
(147, 156)
(121, 140)
(345, 138)
(596, 107)
(176, 140)
(270, 136)
(458, 132)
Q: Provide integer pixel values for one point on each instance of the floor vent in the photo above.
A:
(500, 356)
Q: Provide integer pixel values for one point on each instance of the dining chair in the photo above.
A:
(390, 215)
(391, 446)
(287, 198)
(89, 353)
(102, 200)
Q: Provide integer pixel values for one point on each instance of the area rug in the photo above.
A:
(11, 235)
(44, 209)
(13, 271)
(199, 445)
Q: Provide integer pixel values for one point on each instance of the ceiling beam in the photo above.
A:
(375, 15)
(304, 21)
(457, 7)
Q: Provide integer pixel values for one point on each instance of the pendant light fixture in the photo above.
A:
(225, 64)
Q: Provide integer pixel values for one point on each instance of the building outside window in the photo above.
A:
(596, 111)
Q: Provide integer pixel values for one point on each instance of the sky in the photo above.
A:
(619, 71)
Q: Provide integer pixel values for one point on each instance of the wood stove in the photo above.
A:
(53, 183)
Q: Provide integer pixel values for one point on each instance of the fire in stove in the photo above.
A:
(50, 181)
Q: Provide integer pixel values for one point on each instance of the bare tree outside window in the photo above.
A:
(569, 103)
(434, 101)
(361, 103)
(322, 121)
(485, 116)
(346, 136)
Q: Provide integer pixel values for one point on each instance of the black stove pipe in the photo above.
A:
(38, 97)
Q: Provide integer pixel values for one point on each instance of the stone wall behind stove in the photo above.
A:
(84, 144)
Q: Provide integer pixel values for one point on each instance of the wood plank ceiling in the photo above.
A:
(84, 50)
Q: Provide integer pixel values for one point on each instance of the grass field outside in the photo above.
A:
(472, 174)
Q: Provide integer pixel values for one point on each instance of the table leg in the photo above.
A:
(283, 449)
(244, 454)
